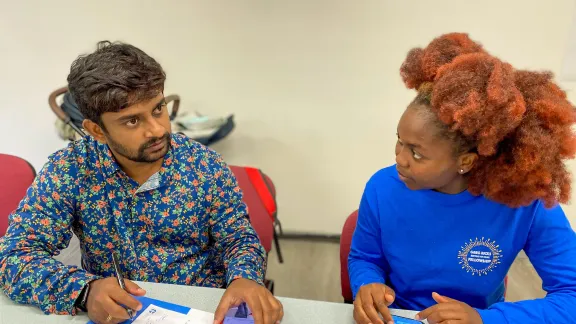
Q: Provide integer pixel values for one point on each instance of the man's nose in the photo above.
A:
(155, 129)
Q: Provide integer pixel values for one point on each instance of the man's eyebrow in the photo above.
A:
(128, 117)
(160, 103)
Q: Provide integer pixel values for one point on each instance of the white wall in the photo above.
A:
(314, 83)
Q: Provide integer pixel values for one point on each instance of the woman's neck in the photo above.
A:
(458, 185)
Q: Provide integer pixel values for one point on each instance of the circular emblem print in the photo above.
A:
(479, 256)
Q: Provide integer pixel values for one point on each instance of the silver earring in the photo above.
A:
(461, 171)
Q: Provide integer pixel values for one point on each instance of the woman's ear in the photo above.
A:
(466, 162)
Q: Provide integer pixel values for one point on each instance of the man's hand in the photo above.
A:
(105, 298)
(449, 310)
(371, 300)
(265, 308)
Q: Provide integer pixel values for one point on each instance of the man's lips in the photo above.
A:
(157, 145)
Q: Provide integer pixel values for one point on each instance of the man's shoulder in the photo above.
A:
(192, 153)
(77, 155)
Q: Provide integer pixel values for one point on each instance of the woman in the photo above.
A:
(478, 177)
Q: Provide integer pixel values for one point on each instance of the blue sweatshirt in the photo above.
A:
(461, 246)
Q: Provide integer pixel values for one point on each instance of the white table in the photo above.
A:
(296, 311)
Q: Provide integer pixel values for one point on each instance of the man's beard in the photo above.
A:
(141, 155)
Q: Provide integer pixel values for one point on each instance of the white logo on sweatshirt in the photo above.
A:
(479, 256)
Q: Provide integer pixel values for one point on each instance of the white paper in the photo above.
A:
(158, 315)
(200, 317)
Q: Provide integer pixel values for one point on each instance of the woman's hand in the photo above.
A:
(371, 300)
(449, 310)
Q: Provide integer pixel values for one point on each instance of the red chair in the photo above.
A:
(345, 241)
(260, 197)
(16, 175)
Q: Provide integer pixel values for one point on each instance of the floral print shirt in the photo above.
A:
(186, 225)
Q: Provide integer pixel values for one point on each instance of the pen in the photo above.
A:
(121, 281)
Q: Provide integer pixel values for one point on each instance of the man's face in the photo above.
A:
(141, 132)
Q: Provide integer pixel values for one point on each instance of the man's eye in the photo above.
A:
(160, 108)
(132, 122)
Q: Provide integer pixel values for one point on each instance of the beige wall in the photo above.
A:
(314, 83)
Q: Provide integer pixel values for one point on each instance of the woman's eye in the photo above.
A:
(416, 155)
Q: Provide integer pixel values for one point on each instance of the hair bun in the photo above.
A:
(422, 65)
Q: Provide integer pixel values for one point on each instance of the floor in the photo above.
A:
(311, 270)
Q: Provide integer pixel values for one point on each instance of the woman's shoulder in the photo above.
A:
(385, 180)
(386, 175)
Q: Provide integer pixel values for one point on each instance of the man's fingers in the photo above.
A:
(277, 309)
(267, 312)
(101, 315)
(281, 312)
(111, 308)
(223, 307)
(133, 288)
(255, 306)
(123, 298)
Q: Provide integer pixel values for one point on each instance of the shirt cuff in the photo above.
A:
(79, 281)
(250, 274)
(491, 316)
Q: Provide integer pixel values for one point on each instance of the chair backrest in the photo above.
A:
(345, 241)
(259, 216)
(16, 175)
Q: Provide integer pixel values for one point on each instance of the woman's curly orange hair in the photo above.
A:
(518, 121)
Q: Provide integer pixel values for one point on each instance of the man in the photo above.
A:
(169, 207)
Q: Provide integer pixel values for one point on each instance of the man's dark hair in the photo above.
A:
(115, 76)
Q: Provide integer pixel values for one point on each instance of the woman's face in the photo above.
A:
(424, 159)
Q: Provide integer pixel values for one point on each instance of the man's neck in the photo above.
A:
(139, 171)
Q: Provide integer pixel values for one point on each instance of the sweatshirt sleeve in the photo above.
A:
(551, 247)
(365, 261)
